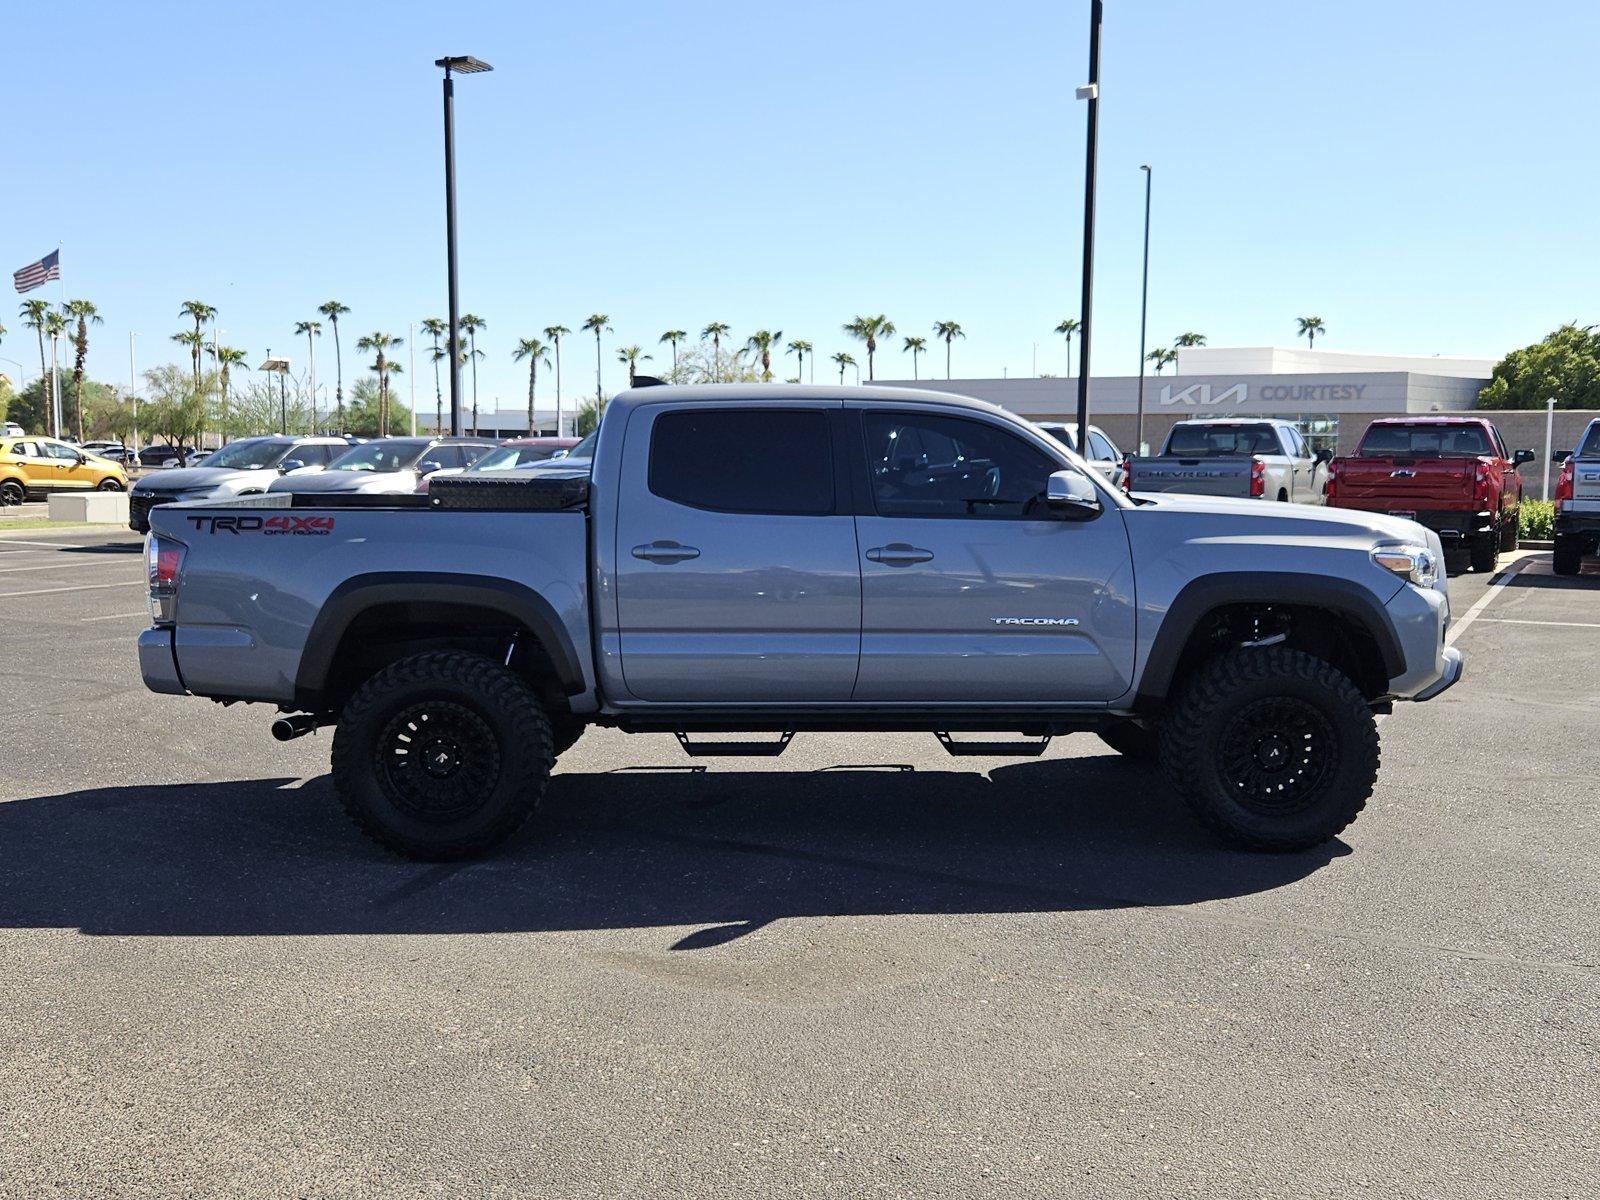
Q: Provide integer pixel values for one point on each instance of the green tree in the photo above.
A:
(869, 330)
(1564, 365)
(226, 358)
(379, 345)
(1310, 327)
(533, 350)
(1185, 340)
(1161, 357)
(470, 324)
(175, 407)
(915, 346)
(597, 324)
(947, 332)
(436, 328)
(674, 336)
(760, 344)
(200, 313)
(844, 360)
(36, 316)
(799, 348)
(632, 355)
(715, 331)
(110, 415)
(701, 363)
(1066, 329)
(85, 314)
(368, 407)
(586, 420)
(333, 310)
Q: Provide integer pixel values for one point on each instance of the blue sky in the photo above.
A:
(1415, 173)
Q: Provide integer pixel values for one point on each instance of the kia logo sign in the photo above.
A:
(1200, 395)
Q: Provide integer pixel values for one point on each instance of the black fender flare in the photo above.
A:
(360, 593)
(1342, 597)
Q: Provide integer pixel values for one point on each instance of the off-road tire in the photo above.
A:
(1215, 713)
(1486, 553)
(502, 752)
(1568, 556)
(1132, 740)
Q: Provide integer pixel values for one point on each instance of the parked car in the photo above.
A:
(387, 466)
(1266, 459)
(193, 459)
(510, 455)
(242, 468)
(12, 429)
(158, 454)
(33, 467)
(767, 558)
(1577, 531)
(1452, 474)
(1104, 455)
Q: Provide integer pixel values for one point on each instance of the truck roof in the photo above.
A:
(747, 392)
(1457, 419)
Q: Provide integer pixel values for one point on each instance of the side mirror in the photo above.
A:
(1560, 456)
(1324, 456)
(427, 468)
(1071, 495)
(291, 464)
(1521, 456)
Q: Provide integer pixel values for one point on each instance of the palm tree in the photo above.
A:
(1066, 329)
(533, 350)
(869, 330)
(631, 355)
(800, 349)
(196, 341)
(200, 312)
(312, 330)
(555, 333)
(87, 314)
(36, 316)
(436, 328)
(949, 331)
(380, 344)
(598, 323)
(1161, 356)
(674, 336)
(227, 357)
(333, 310)
(915, 346)
(715, 331)
(760, 344)
(470, 324)
(1309, 328)
(844, 360)
(1185, 340)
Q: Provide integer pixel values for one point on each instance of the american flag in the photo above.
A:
(37, 274)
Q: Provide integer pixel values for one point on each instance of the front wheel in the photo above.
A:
(1272, 748)
(442, 755)
(109, 485)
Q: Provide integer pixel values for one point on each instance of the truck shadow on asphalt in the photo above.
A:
(726, 851)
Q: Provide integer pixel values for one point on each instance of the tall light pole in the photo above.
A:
(281, 366)
(1144, 312)
(1549, 440)
(1091, 93)
(462, 64)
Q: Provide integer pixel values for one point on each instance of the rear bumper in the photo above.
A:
(1448, 523)
(158, 665)
(1580, 524)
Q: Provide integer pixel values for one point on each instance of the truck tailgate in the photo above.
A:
(1194, 476)
(1406, 484)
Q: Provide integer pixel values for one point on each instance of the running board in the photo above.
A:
(734, 749)
(1029, 749)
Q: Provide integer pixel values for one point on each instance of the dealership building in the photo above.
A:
(1332, 396)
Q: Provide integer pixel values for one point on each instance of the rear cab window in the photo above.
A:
(1425, 441)
(1590, 446)
(774, 461)
(1222, 441)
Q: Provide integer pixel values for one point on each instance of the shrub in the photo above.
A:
(1538, 520)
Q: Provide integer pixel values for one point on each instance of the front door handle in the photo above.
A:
(665, 552)
(898, 554)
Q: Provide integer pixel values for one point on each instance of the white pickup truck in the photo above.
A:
(1260, 458)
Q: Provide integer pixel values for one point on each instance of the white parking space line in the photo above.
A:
(1553, 624)
(118, 616)
(75, 564)
(1495, 588)
(46, 545)
(82, 587)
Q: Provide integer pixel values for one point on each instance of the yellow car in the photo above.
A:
(31, 467)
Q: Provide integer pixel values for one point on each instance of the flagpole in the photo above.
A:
(55, 371)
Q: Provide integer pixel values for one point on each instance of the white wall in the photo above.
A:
(1291, 360)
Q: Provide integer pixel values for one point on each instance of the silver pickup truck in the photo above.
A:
(1242, 457)
(745, 559)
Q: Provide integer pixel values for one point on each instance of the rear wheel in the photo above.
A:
(442, 755)
(1568, 557)
(1486, 552)
(1132, 740)
(1272, 748)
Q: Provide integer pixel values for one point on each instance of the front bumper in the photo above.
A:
(1420, 617)
(1452, 672)
(158, 664)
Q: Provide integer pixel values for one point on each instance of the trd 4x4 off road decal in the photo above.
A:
(267, 526)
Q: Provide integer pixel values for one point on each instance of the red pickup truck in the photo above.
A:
(1452, 474)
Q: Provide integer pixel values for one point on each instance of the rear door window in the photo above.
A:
(777, 461)
(1100, 449)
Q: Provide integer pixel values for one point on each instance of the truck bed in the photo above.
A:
(1200, 476)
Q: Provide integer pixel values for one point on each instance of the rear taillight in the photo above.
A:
(1127, 472)
(1330, 486)
(1564, 483)
(163, 564)
(1258, 477)
(1481, 486)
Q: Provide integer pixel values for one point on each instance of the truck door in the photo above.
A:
(737, 576)
(972, 590)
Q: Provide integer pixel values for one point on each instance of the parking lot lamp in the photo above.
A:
(1549, 440)
(460, 64)
(1144, 312)
(281, 366)
(1091, 93)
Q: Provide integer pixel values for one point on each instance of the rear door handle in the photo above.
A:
(898, 554)
(665, 552)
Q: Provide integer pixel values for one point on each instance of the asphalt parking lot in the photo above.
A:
(862, 969)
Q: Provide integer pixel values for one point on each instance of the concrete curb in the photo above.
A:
(1528, 544)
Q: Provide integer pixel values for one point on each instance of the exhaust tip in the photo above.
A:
(286, 729)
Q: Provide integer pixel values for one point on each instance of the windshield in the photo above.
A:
(1221, 441)
(585, 448)
(1065, 434)
(380, 456)
(1425, 441)
(252, 454)
(504, 458)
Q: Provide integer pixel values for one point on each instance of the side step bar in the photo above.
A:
(734, 749)
(1028, 749)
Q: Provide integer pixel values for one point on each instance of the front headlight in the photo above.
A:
(1413, 563)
